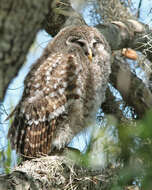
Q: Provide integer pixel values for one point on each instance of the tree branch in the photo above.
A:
(60, 15)
(133, 90)
(111, 10)
(111, 106)
(55, 172)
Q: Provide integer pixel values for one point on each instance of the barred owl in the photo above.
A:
(62, 93)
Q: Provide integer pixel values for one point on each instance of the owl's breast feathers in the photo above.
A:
(49, 92)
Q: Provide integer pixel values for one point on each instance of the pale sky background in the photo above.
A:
(15, 89)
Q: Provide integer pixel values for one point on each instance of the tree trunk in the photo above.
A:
(19, 23)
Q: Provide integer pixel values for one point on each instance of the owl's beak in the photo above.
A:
(90, 54)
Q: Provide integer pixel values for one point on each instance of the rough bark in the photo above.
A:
(128, 34)
(19, 23)
(111, 10)
(61, 15)
(111, 106)
(55, 172)
(133, 90)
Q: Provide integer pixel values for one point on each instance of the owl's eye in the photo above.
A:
(80, 42)
(97, 42)
(72, 39)
(76, 40)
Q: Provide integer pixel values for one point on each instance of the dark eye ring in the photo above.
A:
(77, 41)
(80, 43)
(97, 42)
(73, 40)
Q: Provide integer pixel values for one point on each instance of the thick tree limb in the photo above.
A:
(129, 33)
(55, 172)
(133, 90)
(111, 10)
(111, 106)
(61, 15)
(19, 23)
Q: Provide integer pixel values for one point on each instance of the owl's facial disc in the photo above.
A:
(81, 43)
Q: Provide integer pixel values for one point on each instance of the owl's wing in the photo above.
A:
(48, 87)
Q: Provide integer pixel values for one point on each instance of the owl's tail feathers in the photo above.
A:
(31, 140)
(37, 140)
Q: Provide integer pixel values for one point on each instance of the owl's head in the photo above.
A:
(83, 39)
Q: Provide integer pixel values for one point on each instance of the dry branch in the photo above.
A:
(55, 172)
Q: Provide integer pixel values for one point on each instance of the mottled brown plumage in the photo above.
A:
(63, 91)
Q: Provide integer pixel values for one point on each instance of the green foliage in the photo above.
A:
(136, 152)
(133, 151)
(5, 159)
(5, 155)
